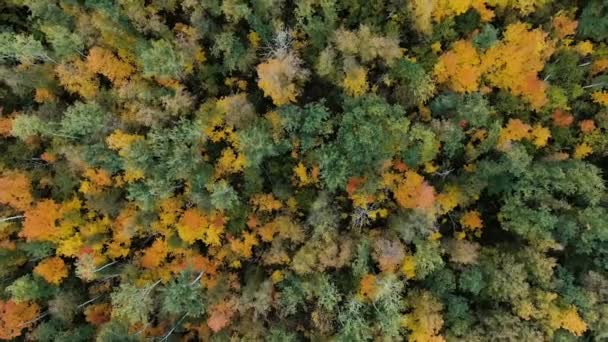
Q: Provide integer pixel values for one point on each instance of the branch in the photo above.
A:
(166, 337)
(4, 219)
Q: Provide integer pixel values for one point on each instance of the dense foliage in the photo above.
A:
(324, 170)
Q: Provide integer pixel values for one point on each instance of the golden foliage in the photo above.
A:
(279, 78)
(540, 136)
(514, 63)
(120, 141)
(355, 81)
(53, 270)
(425, 320)
(567, 319)
(76, 78)
(229, 163)
(515, 130)
(449, 199)
(103, 61)
(265, 203)
(600, 97)
(460, 67)
(244, 247)
(408, 267)
(303, 177)
(582, 150)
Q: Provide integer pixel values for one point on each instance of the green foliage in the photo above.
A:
(183, 296)
(131, 304)
(167, 174)
(371, 130)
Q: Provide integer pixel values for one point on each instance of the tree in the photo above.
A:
(460, 68)
(53, 270)
(16, 190)
(280, 78)
(14, 317)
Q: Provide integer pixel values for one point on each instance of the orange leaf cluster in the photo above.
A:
(14, 317)
(414, 192)
(220, 315)
(53, 270)
(564, 26)
(154, 255)
(367, 287)
(98, 314)
(195, 225)
(562, 119)
(6, 127)
(460, 68)
(39, 224)
(102, 61)
(471, 220)
(16, 190)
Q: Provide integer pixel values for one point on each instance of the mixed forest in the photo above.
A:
(310, 170)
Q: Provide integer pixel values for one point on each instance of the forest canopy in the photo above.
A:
(311, 170)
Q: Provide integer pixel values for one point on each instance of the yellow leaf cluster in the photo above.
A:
(584, 48)
(195, 225)
(355, 81)
(265, 202)
(449, 198)
(244, 247)
(120, 141)
(582, 150)
(425, 320)
(43, 95)
(448, 8)
(514, 63)
(540, 136)
(515, 130)
(600, 97)
(279, 78)
(229, 163)
(408, 267)
(77, 78)
(567, 319)
(460, 67)
(103, 61)
(303, 177)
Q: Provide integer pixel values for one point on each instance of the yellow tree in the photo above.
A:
(514, 63)
(281, 77)
(460, 68)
